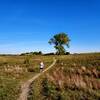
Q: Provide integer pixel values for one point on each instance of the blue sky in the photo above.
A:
(27, 25)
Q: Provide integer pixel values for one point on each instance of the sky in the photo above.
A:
(27, 25)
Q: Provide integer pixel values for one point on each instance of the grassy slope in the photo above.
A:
(74, 77)
(14, 70)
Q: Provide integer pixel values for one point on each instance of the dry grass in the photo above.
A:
(14, 70)
(74, 77)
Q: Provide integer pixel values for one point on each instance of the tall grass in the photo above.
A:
(14, 70)
(74, 77)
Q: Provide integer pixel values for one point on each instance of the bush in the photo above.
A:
(27, 61)
(30, 69)
(49, 90)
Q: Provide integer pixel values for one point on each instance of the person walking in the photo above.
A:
(41, 66)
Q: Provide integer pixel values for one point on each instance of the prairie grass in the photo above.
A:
(14, 70)
(74, 77)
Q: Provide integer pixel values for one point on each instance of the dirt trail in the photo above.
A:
(25, 86)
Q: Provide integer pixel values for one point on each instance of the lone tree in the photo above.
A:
(59, 41)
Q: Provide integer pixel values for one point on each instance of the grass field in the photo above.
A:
(14, 70)
(74, 77)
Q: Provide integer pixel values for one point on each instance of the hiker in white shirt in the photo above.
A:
(41, 66)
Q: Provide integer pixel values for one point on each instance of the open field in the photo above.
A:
(74, 77)
(15, 70)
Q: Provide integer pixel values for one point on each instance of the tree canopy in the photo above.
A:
(59, 41)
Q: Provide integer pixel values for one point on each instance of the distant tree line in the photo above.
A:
(66, 53)
(40, 53)
(32, 53)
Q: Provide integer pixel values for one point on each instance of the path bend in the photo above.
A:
(26, 85)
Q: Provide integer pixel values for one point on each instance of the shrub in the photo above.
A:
(27, 61)
(50, 90)
(30, 69)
